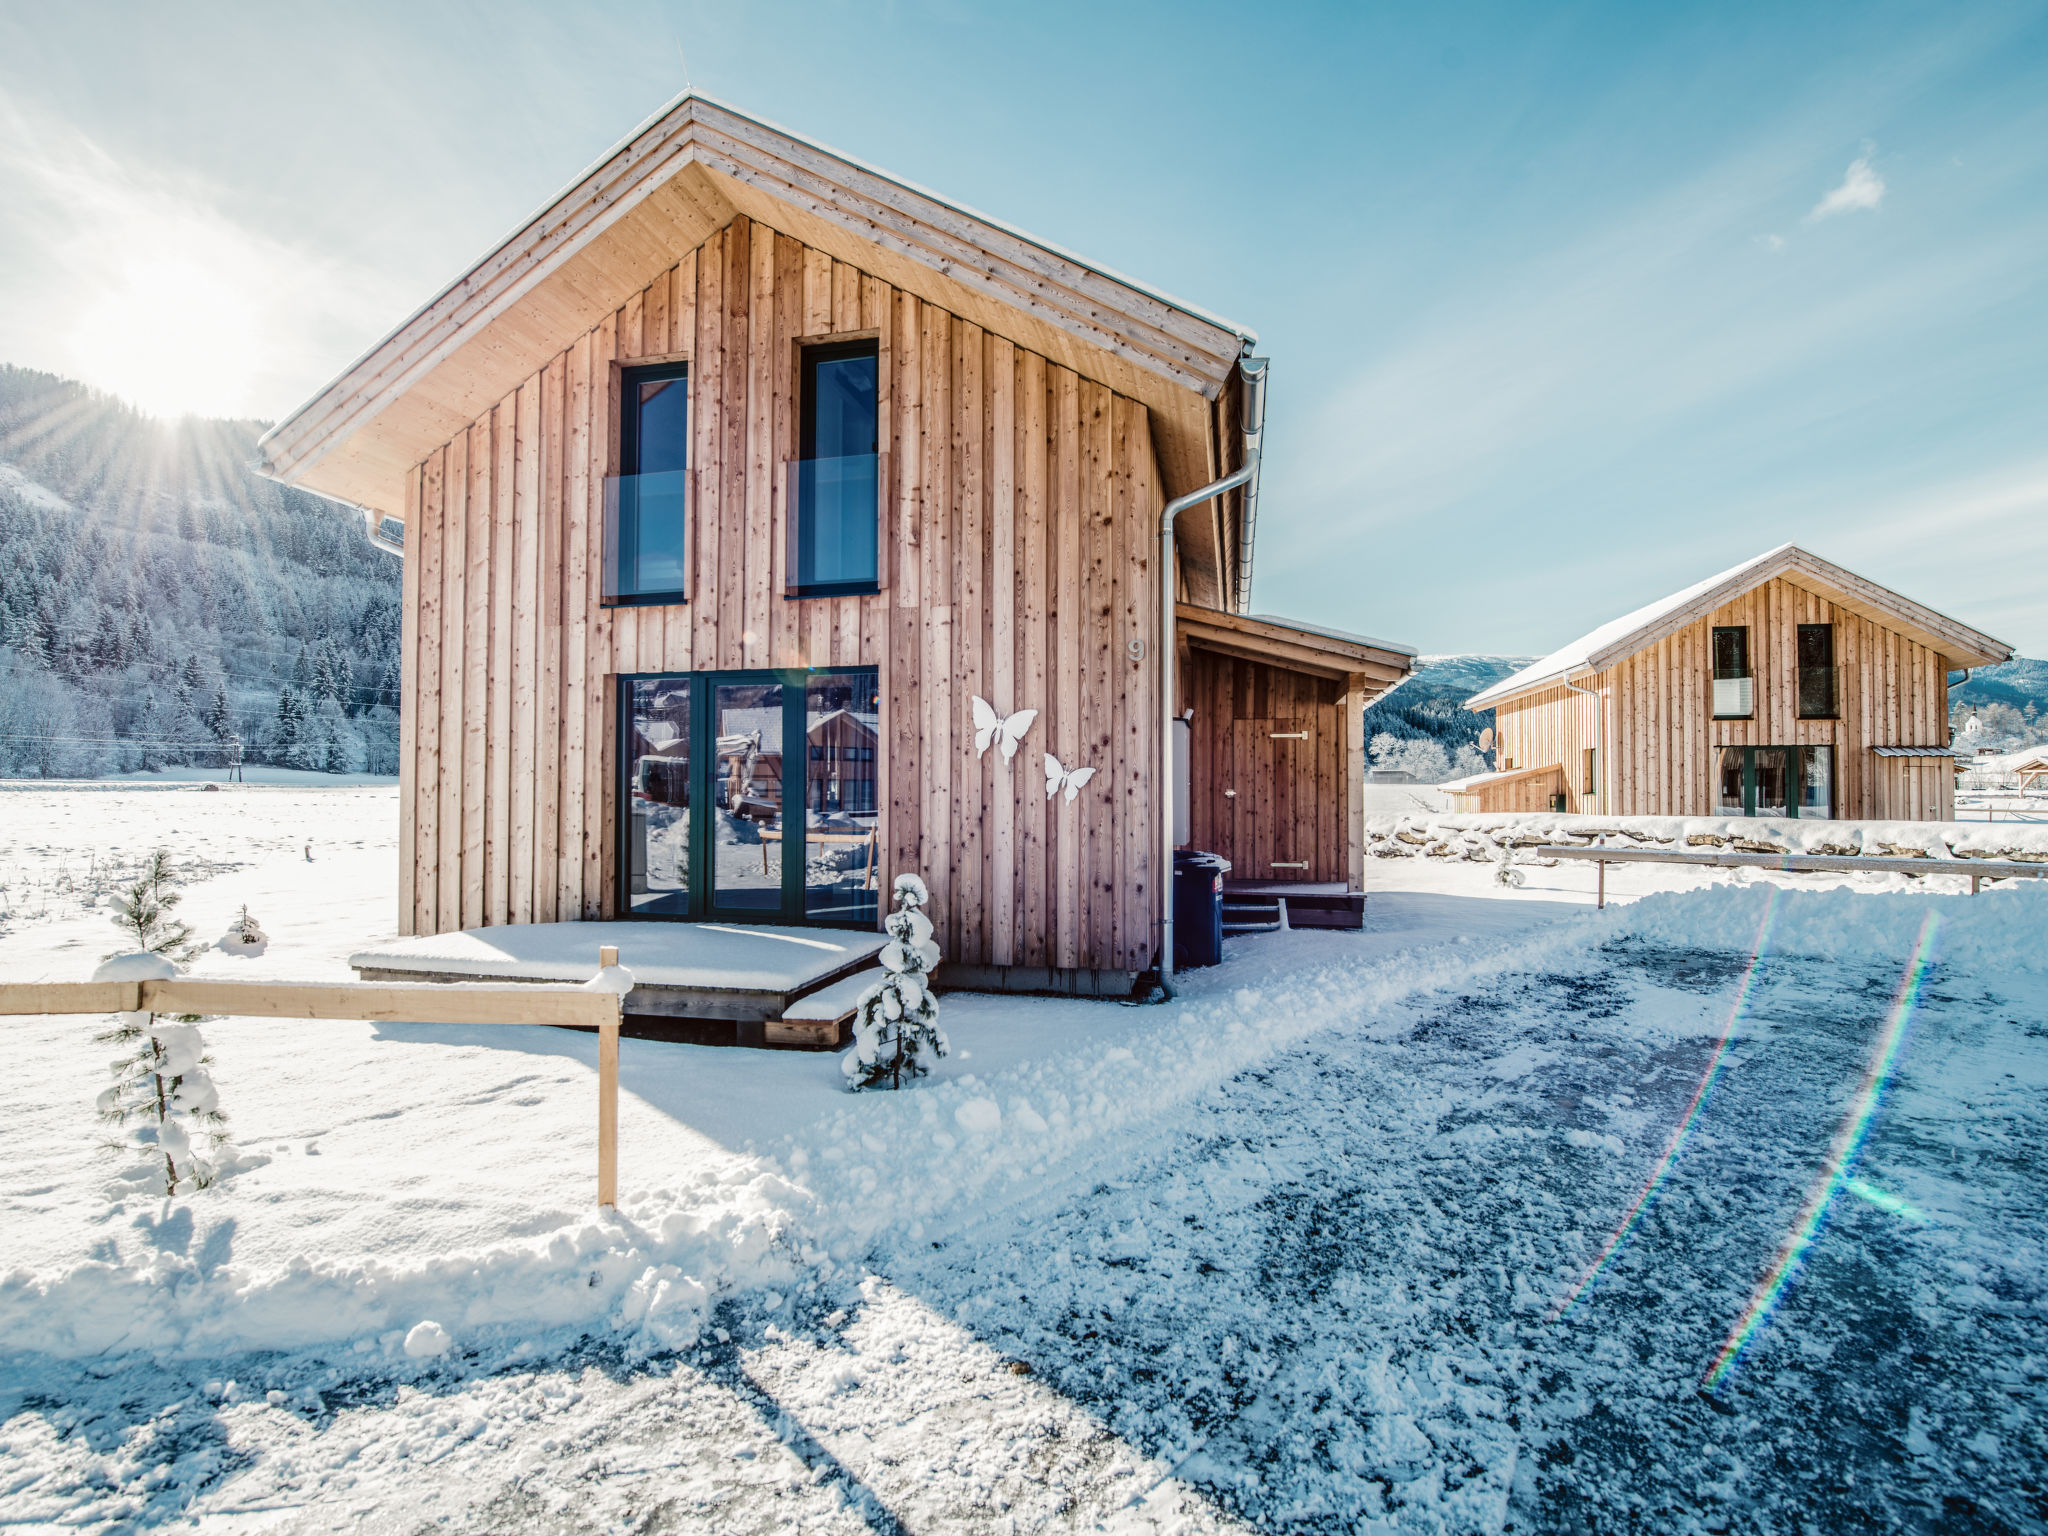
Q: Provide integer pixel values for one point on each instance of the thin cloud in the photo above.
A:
(146, 287)
(1861, 188)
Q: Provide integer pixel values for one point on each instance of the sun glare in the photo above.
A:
(174, 335)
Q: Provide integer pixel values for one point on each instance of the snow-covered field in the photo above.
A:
(1305, 1250)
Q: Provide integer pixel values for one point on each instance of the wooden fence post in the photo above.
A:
(608, 1095)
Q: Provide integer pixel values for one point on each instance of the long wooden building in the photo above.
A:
(1786, 686)
(737, 437)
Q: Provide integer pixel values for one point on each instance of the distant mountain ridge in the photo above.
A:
(160, 600)
(1430, 703)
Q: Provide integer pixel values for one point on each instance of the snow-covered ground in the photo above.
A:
(1293, 1252)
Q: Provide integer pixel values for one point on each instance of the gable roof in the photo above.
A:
(1632, 632)
(677, 179)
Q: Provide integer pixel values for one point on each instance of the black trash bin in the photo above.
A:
(1197, 908)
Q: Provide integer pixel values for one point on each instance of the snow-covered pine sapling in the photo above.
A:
(162, 1096)
(245, 936)
(143, 911)
(896, 1033)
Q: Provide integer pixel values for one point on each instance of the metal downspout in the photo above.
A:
(1599, 740)
(1253, 426)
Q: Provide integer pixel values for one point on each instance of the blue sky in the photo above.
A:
(1568, 306)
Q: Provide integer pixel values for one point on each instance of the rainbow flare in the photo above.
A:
(1849, 1138)
(1677, 1140)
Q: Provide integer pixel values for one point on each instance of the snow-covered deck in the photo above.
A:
(704, 973)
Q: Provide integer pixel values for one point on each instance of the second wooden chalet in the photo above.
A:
(1786, 686)
(733, 479)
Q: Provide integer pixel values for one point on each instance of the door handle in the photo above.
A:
(1288, 735)
(1281, 864)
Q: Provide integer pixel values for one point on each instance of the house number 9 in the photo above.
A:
(1137, 650)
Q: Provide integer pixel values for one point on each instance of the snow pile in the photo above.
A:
(650, 1273)
(1999, 930)
(1481, 836)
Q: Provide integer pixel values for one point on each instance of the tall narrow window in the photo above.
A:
(647, 504)
(1817, 691)
(1734, 685)
(834, 483)
(1591, 779)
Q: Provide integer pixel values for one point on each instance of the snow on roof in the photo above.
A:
(1622, 637)
(1475, 781)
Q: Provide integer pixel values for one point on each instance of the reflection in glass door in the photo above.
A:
(1776, 781)
(746, 797)
(842, 718)
(658, 798)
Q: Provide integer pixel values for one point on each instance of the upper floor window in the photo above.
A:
(1734, 682)
(834, 484)
(1819, 698)
(647, 504)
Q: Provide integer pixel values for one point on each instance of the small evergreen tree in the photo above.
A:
(143, 911)
(162, 1093)
(896, 1032)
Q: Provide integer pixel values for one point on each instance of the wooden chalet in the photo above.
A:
(1786, 686)
(739, 444)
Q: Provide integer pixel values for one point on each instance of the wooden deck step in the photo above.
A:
(824, 1018)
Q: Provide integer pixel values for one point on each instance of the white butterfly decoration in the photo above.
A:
(990, 726)
(1069, 779)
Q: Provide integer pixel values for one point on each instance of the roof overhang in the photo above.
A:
(1957, 643)
(678, 179)
(1473, 783)
(1351, 659)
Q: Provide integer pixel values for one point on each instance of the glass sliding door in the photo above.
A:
(657, 821)
(842, 731)
(1775, 781)
(750, 796)
(746, 797)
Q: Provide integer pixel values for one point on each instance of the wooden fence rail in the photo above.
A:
(1795, 863)
(383, 1002)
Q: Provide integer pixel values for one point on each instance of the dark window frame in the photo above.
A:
(1795, 777)
(1727, 672)
(630, 378)
(809, 355)
(703, 694)
(1816, 673)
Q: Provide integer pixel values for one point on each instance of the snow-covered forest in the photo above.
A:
(1422, 727)
(159, 600)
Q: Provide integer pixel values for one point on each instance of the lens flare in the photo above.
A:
(1834, 1175)
(1676, 1142)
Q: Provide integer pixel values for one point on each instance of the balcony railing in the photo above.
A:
(1734, 698)
(646, 537)
(835, 524)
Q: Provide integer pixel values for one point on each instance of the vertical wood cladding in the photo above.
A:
(1891, 691)
(1017, 500)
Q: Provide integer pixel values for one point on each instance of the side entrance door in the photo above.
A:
(1273, 799)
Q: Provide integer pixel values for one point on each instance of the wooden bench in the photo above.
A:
(774, 835)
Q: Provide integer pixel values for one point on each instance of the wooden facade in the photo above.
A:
(1034, 416)
(1019, 565)
(1649, 711)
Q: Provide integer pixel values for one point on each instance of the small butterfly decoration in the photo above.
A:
(1058, 777)
(992, 727)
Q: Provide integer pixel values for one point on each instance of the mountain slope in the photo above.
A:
(159, 599)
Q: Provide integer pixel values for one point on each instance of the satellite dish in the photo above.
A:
(1486, 739)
